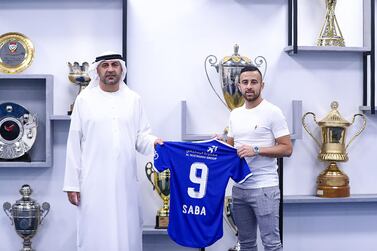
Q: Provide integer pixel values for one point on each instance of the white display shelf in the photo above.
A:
(150, 230)
(310, 199)
(366, 109)
(60, 118)
(327, 49)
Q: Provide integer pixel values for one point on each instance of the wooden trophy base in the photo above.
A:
(162, 222)
(333, 183)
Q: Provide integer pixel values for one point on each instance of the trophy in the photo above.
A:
(160, 183)
(18, 131)
(332, 182)
(26, 215)
(229, 69)
(228, 216)
(330, 34)
(78, 74)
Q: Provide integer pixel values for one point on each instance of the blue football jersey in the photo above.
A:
(199, 174)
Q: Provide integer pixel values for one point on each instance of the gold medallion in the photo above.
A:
(16, 52)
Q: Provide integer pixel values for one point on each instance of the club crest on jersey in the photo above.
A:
(155, 155)
(212, 149)
(195, 210)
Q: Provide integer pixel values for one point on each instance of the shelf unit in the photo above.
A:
(151, 231)
(367, 50)
(35, 93)
(309, 199)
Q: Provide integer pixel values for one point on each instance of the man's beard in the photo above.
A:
(251, 99)
(115, 80)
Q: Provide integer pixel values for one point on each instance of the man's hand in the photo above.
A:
(74, 198)
(158, 141)
(245, 151)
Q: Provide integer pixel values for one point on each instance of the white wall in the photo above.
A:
(167, 44)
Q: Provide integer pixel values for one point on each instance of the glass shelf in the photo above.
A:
(311, 199)
(332, 49)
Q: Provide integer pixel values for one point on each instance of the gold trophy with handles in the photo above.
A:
(160, 183)
(333, 182)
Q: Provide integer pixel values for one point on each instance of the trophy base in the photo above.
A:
(333, 183)
(27, 249)
(71, 109)
(162, 222)
(331, 41)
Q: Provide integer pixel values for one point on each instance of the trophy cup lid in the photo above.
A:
(26, 201)
(334, 119)
(236, 59)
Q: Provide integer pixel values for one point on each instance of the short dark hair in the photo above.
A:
(251, 68)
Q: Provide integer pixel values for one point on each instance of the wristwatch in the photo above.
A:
(256, 150)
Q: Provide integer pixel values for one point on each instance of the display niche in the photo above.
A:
(34, 93)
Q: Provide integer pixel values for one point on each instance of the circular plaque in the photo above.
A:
(18, 131)
(16, 52)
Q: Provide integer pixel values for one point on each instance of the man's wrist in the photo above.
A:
(256, 150)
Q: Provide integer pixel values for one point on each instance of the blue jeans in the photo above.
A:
(253, 207)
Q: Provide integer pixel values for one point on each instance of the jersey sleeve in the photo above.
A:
(161, 157)
(240, 171)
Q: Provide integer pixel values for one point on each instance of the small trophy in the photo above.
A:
(26, 215)
(229, 69)
(330, 34)
(332, 182)
(160, 183)
(78, 74)
(228, 216)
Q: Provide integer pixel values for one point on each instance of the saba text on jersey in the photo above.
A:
(195, 210)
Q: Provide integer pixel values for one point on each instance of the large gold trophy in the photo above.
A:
(160, 183)
(332, 182)
(229, 69)
(330, 34)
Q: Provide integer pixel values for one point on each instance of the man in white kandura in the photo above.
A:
(108, 126)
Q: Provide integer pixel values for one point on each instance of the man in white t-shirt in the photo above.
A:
(260, 133)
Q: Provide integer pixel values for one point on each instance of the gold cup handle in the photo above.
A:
(307, 128)
(361, 128)
(149, 171)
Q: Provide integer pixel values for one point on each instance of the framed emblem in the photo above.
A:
(18, 131)
(16, 52)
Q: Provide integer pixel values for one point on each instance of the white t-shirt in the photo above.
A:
(259, 126)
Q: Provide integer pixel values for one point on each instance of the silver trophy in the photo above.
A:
(228, 216)
(18, 131)
(78, 74)
(229, 69)
(26, 215)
